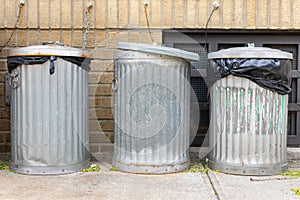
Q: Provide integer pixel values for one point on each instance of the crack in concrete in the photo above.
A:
(213, 187)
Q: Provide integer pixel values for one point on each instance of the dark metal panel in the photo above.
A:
(195, 48)
(198, 73)
(295, 73)
(200, 88)
(294, 114)
(297, 141)
(292, 48)
(219, 39)
(229, 45)
(294, 106)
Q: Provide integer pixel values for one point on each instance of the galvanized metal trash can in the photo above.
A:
(248, 123)
(49, 109)
(151, 108)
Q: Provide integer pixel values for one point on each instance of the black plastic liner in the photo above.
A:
(272, 74)
(14, 61)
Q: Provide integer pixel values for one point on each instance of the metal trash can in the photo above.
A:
(49, 109)
(248, 111)
(151, 108)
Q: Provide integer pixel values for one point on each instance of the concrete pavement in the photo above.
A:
(107, 184)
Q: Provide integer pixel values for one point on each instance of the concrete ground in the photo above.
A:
(107, 184)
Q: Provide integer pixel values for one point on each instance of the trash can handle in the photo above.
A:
(14, 79)
(114, 85)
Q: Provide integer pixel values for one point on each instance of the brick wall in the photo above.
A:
(112, 21)
(4, 113)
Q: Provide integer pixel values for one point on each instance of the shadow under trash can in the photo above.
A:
(151, 108)
(49, 109)
(248, 112)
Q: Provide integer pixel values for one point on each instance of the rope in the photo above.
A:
(148, 24)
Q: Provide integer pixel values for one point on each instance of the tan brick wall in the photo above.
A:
(4, 113)
(112, 21)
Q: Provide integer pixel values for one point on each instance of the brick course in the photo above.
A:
(123, 20)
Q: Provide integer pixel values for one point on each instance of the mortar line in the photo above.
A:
(173, 14)
(117, 12)
(244, 14)
(161, 14)
(61, 39)
(256, 13)
(197, 14)
(72, 24)
(39, 21)
(83, 25)
(27, 21)
(139, 19)
(95, 23)
(4, 22)
(49, 18)
(221, 14)
(268, 14)
(16, 27)
(292, 13)
(280, 14)
(232, 14)
(184, 13)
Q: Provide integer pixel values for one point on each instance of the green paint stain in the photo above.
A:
(241, 100)
(227, 103)
(283, 111)
(277, 111)
(256, 108)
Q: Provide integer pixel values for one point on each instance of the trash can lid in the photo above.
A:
(250, 52)
(149, 48)
(47, 50)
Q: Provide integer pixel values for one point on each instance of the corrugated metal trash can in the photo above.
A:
(151, 108)
(248, 113)
(49, 109)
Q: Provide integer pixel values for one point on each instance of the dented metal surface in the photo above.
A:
(248, 128)
(151, 112)
(49, 119)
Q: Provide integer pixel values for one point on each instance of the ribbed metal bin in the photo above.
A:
(49, 113)
(248, 123)
(151, 108)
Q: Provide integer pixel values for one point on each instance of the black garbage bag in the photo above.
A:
(272, 74)
(14, 61)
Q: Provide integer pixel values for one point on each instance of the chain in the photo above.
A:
(87, 25)
(15, 27)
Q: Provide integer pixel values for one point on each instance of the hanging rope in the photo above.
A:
(148, 24)
(216, 6)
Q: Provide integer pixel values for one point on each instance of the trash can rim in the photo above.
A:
(150, 48)
(250, 52)
(47, 50)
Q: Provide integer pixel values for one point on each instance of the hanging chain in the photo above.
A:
(87, 25)
(16, 25)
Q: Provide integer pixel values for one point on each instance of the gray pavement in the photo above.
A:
(107, 184)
